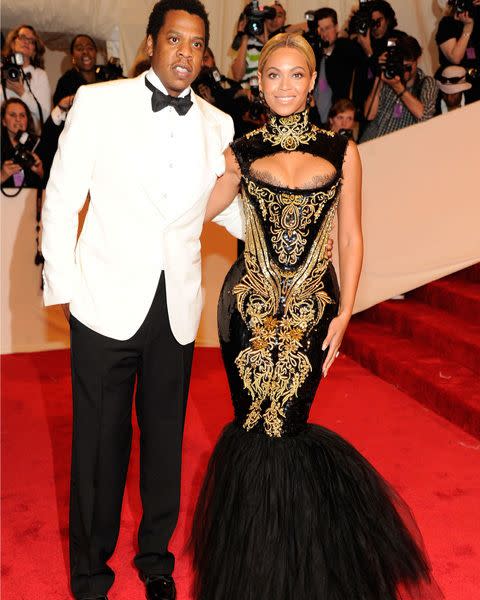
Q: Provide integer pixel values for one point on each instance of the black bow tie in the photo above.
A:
(161, 100)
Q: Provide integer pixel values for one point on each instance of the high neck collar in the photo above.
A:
(289, 132)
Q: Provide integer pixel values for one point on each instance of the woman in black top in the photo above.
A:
(16, 116)
(458, 41)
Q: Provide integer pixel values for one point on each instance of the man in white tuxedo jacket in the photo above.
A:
(148, 151)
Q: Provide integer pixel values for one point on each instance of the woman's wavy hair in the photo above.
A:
(38, 58)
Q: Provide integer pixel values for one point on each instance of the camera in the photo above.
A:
(348, 133)
(257, 108)
(461, 6)
(362, 19)
(211, 77)
(26, 144)
(393, 66)
(311, 35)
(111, 71)
(12, 67)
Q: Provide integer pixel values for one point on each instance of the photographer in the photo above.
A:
(341, 117)
(23, 76)
(452, 83)
(376, 25)
(458, 41)
(224, 93)
(16, 118)
(402, 95)
(336, 65)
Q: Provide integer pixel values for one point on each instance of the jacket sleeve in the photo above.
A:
(66, 193)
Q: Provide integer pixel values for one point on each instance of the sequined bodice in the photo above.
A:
(283, 289)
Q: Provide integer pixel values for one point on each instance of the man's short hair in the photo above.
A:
(157, 16)
(387, 11)
(327, 13)
(409, 47)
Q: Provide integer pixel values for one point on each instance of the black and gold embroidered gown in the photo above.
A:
(289, 510)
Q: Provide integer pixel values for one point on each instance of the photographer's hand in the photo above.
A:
(37, 166)
(16, 86)
(206, 93)
(9, 168)
(365, 42)
(66, 103)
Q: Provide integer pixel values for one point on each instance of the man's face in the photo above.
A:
(410, 70)
(176, 55)
(380, 25)
(279, 20)
(327, 30)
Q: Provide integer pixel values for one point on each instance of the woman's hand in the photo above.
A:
(9, 168)
(333, 340)
(66, 103)
(465, 18)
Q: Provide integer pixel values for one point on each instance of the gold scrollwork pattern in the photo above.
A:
(290, 215)
(280, 308)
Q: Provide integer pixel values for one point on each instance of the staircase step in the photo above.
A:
(446, 335)
(447, 388)
(471, 273)
(458, 297)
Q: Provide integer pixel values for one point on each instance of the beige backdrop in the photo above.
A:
(421, 221)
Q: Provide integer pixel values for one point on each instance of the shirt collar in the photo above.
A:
(154, 79)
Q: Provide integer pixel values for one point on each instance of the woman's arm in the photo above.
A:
(226, 187)
(350, 248)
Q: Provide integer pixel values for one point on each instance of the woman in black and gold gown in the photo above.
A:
(290, 510)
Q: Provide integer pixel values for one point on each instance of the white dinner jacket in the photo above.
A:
(132, 230)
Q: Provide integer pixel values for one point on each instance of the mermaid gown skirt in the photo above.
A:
(288, 509)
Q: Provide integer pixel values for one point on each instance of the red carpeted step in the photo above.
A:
(446, 335)
(469, 274)
(444, 386)
(458, 297)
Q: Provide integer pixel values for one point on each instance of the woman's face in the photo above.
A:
(343, 120)
(25, 43)
(15, 118)
(285, 81)
(84, 54)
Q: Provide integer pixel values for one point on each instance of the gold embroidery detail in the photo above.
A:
(289, 132)
(290, 215)
(280, 308)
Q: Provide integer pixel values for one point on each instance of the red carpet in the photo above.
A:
(428, 345)
(433, 463)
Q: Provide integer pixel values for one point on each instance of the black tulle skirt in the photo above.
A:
(302, 517)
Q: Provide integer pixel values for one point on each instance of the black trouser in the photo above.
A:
(104, 371)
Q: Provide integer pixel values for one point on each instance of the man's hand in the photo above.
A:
(16, 86)
(9, 168)
(465, 18)
(365, 42)
(66, 311)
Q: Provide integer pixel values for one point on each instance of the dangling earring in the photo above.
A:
(262, 97)
(309, 98)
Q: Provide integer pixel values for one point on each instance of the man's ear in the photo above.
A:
(149, 45)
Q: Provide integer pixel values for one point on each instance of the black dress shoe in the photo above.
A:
(160, 587)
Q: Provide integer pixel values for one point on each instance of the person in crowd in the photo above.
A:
(24, 45)
(452, 83)
(383, 26)
(458, 41)
(16, 118)
(340, 58)
(341, 118)
(245, 63)
(400, 101)
(83, 52)
(148, 151)
(223, 92)
(288, 509)
(278, 23)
